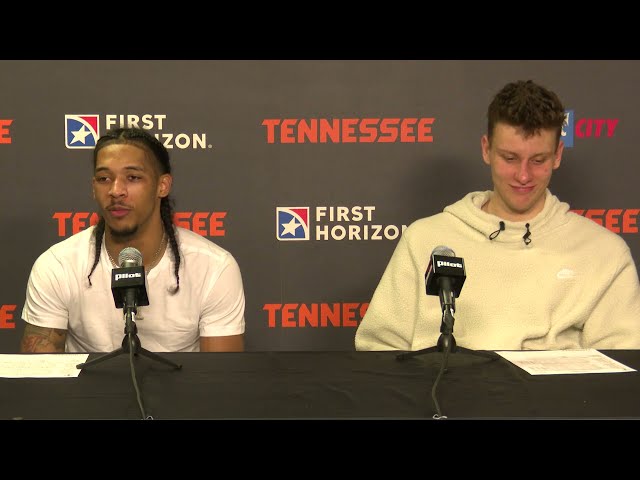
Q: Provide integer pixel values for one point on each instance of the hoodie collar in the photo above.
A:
(469, 211)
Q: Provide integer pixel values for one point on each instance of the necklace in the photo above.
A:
(155, 256)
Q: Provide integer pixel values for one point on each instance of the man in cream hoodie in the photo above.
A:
(539, 277)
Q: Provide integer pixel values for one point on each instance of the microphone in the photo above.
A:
(129, 281)
(445, 276)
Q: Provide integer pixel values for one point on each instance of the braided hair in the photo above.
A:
(146, 141)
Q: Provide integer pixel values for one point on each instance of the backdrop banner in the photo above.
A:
(307, 171)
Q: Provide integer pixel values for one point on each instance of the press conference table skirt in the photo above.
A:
(322, 385)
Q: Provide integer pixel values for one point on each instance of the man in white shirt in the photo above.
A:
(195, 289)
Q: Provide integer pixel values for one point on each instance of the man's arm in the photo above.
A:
(48, 294)
(614, 322)
(42, 340)
(222, 315)
(231, 343)
(390, 319)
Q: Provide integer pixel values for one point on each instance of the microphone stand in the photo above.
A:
(446, 342)
(130, 344)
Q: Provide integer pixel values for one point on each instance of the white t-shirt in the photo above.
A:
(210, 301)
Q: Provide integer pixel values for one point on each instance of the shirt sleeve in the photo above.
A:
(389, 321)
(47, 294)
(223, 309)
(615, 320)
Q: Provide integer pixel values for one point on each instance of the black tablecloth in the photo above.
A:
(322, 385)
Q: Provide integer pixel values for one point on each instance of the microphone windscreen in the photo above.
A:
(444, 251)
(130, 257)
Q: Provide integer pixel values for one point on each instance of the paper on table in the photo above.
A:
(556, 362)
(41, 365)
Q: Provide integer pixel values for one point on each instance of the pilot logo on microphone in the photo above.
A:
(118, 276)
(443, 263)
(443, 266)
(127, 281)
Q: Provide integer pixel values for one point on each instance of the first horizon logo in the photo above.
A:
(332, 223)
(83, 131)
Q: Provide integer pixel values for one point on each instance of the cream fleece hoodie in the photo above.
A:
(574, 285)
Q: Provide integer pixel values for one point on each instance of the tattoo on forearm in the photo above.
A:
(42, 340)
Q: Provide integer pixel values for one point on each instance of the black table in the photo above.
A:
(322, 385)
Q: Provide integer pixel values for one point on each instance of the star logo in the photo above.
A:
(81, 131)
(292, 223)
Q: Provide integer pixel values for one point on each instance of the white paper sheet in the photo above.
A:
(41, 365)
(558, 362)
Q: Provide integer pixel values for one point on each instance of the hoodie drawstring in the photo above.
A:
(526, 236)
(497, 232)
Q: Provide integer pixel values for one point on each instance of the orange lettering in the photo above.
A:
(629, 220)
(6, 316)
(5, 134)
